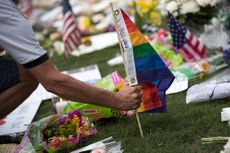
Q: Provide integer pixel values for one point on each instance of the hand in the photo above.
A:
(129, 97)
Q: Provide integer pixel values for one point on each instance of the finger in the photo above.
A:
(138, 88)
(139, 98)
(136, 106)
(138, 95)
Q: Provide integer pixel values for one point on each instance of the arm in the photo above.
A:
(128, 98)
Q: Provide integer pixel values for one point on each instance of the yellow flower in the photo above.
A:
(155, 18)
(148, 11)
(75, 120)
(145, 6)
(154, 14)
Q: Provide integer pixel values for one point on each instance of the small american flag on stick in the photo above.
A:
(71, 33)
(185, 42)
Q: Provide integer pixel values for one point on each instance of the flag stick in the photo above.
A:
(121, 49)
(122, 53)
(139, 124)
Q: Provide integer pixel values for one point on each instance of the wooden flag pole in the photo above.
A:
(122, 53)
(121, 49)
(139, 124)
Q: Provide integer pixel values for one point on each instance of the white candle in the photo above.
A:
(60, 106)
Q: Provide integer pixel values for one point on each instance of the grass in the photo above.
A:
(178, 131)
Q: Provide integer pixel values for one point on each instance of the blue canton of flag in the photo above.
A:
(71, 33)
(185, 42)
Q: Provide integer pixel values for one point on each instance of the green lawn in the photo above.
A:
(178, 131)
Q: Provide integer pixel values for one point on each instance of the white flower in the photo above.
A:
(204, 2)
(172, 6)
(181, 1)
(165, 1)
(189, 7)
(214, 35)
(214, 2)
(175, 14)
(162, 8)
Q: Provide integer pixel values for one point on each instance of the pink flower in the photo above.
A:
(71, 116)
(54, 143)
(75, 140)
(62, 120)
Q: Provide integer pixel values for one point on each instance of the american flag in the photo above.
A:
(27, 8)
(185, 42)
(71, 33)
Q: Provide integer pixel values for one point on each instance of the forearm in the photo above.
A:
(72, 89)
(127, 98)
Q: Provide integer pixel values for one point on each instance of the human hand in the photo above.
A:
(129, 97)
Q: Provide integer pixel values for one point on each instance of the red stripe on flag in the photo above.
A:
(69, 31)
(187, 54)
(68, 24)
(71, 34)
(74, 40)
(67, 16)
(190, 38)
(197, 44)
(203, 51)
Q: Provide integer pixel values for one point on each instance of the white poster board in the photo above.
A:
(89, 74)
(18, 120)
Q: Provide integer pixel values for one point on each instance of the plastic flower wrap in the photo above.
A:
(112, 82)
(57, 133)
(163, 45)
(200, 68)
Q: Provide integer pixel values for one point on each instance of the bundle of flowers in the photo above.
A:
(148, 11)
(145, 12)
(180, 7)
(201, 11)
(57, 133)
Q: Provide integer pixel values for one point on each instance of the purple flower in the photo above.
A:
(76, 112)
(71, 116)
(111, 28)
(62, 120)
(226, 55)
(75, 140)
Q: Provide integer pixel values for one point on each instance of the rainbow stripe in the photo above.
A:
(151, 71)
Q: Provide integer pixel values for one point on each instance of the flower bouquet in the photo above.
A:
(191, 11)
(57, 133)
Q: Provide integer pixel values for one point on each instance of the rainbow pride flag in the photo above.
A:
(143, 65)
